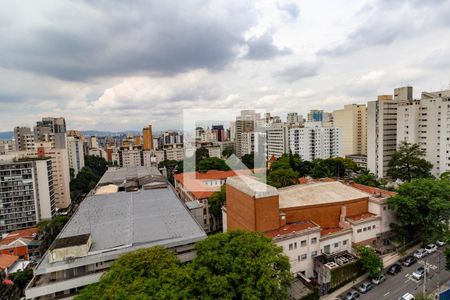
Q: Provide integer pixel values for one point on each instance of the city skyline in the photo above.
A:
(282, 56)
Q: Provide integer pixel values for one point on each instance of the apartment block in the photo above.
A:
(23, 139)
(294, 118)
(51, 130)
(426, 122)
(26, 193)
(147, 136)
(382, 129)
(352, 120)
(244, 126)
(277, 139)
(75, 152)
(314, 141)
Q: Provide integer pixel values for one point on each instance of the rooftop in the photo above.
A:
(70, 241)
(125, 221)
(362, 217)
(28, 233)
(118, 176)
(317, 193)
(291, 228)
(6, 260)
(252, 187)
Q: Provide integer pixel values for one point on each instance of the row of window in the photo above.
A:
(366, 228)
(303, 243)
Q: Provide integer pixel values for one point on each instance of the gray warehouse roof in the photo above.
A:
(117, 176)
(124, 221)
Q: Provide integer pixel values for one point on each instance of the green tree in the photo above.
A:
(240, 265)
(282, 177)
(228, 151)
(368, 179)
(422, 207)
(212, 163)
(248, 160)
(96, 163)
(408, 163)
(22, 278)
(201, 154)
(51, 229)
(216, 202)
(371, 262)
(422, 296)
(329, 167)
(150, 273)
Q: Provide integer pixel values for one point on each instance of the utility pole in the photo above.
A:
(439, 274)
(425, 277)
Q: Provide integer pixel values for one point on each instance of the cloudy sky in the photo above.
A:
(118, 65)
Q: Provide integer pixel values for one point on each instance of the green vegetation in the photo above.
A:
(371, 262)
(342, 275)
(212, 163)
(216, 201)
(51, 229)
(369, 179)
(228, 151)
(282, 177)
(201, 154)
(407, 163)
(422, 296)
(422, 207)
(249, 160)
(232, 265)
(88, 177)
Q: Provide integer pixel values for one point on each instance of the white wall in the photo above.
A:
(365, 231)
(337, 240)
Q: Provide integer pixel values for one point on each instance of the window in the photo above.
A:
(313, 240)
(365, 229)
(359, 230)
(291, 246)
(344, 242)
(302, 257)
(373, 227)
(326, 249)
(336, 245)
(314, 254)
(295, 245)
(303, 243)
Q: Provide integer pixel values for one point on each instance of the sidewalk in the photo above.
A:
(388, 260)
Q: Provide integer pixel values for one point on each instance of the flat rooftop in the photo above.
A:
(117, 176)
(125, 221)
(251, 186)
(318, 193)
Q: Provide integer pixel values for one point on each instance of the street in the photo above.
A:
(397, 285)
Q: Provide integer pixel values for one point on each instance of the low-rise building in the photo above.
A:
(108, 225)
(319, 218)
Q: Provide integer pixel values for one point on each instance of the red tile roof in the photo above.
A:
(212, 174)
(361, 217)
(291, 228)
(6, 260)
(28, 233)
(372, 190)
(330, 230)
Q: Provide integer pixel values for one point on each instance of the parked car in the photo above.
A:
(379, 279)
(365, 287)
(440, 243)
(394, 269)
(419, 273)
(431, 248)
(407, 296)
(409, 261)
(420, 253)
(351, 295)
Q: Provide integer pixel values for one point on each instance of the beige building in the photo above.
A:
(427, 122)
(75, 151)
(382, 129)
(352, 120)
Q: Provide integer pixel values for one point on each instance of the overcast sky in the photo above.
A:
(118, 65)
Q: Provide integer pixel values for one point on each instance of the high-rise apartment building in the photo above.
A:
(382, 129)
(75, 151)
(277, 139)
(427, 122)
(220, 132)
(315, 115)
(26, 193)
(294, 118)
(352, 120)
(51, 130)
(245, 123)
(147, 136)
(23, 138)
(314, 141)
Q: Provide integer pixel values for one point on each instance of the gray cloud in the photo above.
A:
(437, 60)
(387, 21)
(80, 40)
(297, 72)
(262, 47)
(290, 8)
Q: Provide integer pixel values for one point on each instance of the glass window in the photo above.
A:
(336, 245)
(313, 240)
(314, 253)
(303, 243)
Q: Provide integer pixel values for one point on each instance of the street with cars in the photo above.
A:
(406, 278)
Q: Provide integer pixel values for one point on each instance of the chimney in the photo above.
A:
(342, 222)
(282, 219)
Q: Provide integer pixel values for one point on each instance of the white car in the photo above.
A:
(420, 253)
(440, 243)
(431, 248)
(407, 296)
(419, 273)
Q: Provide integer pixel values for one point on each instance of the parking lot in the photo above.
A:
(403, 282)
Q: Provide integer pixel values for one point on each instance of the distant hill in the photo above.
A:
(6, 135)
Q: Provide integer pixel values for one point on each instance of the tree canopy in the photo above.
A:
(249, 160)
(201, 154)
(212, 163)
(282, 177)
(232, 265)
(408, 163)
(368, 179)
(371, 262)
(422, 207)
(228, 151)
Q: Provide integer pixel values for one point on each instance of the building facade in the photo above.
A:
(352, 120)
(75, 152)
(277, 139)
(23, 138)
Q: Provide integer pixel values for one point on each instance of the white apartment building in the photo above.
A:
(294, 118)
(247, 142)
(277, 139)
(131, 158)
(26, 193)
(382, 129)
(314, 141)
(247, 122)
(427, 122)
(174, 152)
(75, 152)
(23, 139)
(352, 120)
